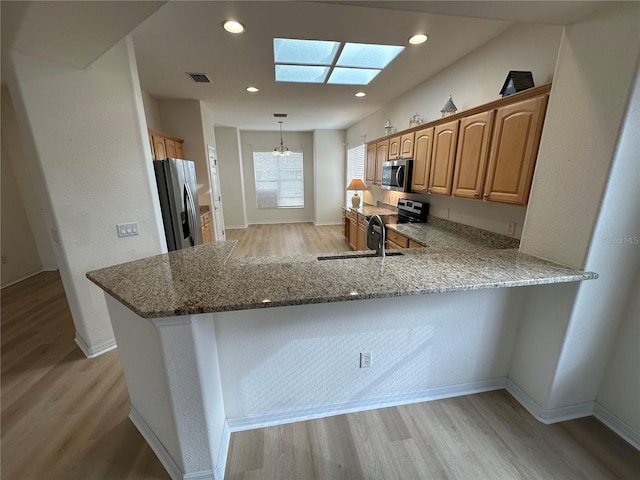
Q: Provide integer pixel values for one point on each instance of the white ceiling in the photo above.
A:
(184, 36)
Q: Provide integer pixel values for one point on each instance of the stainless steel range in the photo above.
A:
(411, 211)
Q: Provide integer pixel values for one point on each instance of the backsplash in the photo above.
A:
(494, 239)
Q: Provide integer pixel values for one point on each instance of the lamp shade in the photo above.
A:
(357, 184)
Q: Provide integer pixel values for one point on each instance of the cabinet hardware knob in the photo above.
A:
(476, 194)
(486, 195)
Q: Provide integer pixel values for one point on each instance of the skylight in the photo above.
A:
(314, 61)
(363, 55)
(304, 52)
(352, 76)
(301, 73)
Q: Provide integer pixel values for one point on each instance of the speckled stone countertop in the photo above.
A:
(371, 210)
(207, 278)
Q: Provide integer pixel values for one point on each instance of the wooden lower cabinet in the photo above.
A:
(414, 244)
(353, 230)
(205, 220)
(361, 244)
(396, 240)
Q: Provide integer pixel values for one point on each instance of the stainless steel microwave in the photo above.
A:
(396, 175)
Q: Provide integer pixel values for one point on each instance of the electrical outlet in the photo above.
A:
(445, 213)
(365, 359)
(511, 228)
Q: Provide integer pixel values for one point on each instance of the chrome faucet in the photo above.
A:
(376, 237)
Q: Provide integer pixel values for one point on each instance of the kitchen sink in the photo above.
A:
(359, 255)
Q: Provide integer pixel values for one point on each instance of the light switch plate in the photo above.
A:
(128, 229)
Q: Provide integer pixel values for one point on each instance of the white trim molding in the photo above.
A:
(93, 352)
(310, 413)
(223, 453)
(618, 425)
(158, 448)
(21, 278)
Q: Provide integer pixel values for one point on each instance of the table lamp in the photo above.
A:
(356, 184)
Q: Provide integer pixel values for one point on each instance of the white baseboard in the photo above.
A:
(223, 453)
(549, 415)
(235, 227)
(617, 425)
(167, 461)
(322, 224)
(92, 352)
(21, 278)
(278, 222)
(310, 413)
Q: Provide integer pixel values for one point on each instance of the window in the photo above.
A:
(279, 180)
(355, 163)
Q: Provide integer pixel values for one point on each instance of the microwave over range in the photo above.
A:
(396, 175)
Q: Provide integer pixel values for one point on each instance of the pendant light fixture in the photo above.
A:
(281, 150)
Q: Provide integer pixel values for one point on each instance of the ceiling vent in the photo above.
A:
(199, 77)
(280, 115)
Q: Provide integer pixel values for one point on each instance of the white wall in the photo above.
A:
(619, 391)
(265, 142)
(151, 111)
(20, 256)
(29, 182)
(284, 359)
(231, 177)
(582, 136)
(86, 132)
(329, 170)
(473, 80)
(183, 119)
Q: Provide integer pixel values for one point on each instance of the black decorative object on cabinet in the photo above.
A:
(516, 81)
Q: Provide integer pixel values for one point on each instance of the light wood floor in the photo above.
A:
(287, 239)
(65, 417)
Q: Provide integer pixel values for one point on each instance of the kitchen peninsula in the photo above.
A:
(211, 344)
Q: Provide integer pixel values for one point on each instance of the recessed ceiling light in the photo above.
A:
(233, 26)
(253, 89)
(418, 38)
(361, 94)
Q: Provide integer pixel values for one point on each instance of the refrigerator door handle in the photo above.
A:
(191, 215)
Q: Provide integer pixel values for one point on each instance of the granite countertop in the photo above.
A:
(207, 278)
(371, 210)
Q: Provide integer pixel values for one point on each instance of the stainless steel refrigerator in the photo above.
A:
(177, 189)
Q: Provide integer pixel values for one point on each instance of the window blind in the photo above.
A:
(355, 163)
(279, 180)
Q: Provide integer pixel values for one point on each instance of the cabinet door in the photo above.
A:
(153, 153)
(361, 244)
(179, 149)
(406, 145)
(382, 155)
(444, 151)
(370, 168)
(158, 147)
(394, 147)
(471, 155)
(514, 148)
(353, 234)
(170, 147)
(422, 160)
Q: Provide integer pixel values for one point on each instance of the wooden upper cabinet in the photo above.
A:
(445, 137)
(165, 146)
(514, 148)
(394, 146)
(370, 167)
(382, 155)
(422, 160)
(159, 150)
(170, 148)
(406, 145)
(472, 154)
